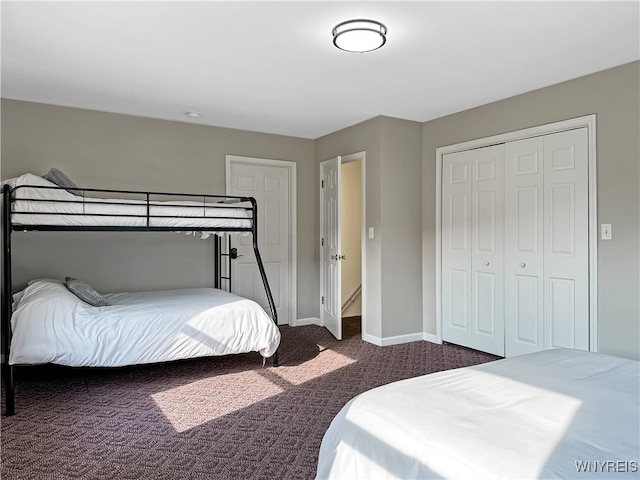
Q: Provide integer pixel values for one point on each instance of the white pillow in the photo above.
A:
(47, 294)
(29, 179)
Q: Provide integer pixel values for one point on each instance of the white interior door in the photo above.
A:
(524, 247)
(550, 248)
(270, 185)
(487, 255)
(547, 263)
(456, 247)
(566, 230)
(330, 255)
(472, 248)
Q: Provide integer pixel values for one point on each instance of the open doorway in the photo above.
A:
(351, 232)
(342, 244)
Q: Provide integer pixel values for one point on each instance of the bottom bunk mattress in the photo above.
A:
(51, 325)
(552, 414)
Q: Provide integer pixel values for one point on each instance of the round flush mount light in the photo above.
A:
(193, 114)
(359, 35)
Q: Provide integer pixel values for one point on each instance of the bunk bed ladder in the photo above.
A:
(7, 369)
(218, 253)
(231, 254)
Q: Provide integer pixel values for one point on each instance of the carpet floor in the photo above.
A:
(218, 418)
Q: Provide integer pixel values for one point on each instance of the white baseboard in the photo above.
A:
(381, 342)
(371, 339)
(430, 337)
(396, 340)
(307, 321)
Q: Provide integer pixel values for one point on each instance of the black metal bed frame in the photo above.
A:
(208, 202)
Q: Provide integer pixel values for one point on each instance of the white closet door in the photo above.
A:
(566, 251)
(487, 255)
(524, 263)
(472, 249)
(546, 243)
(456, 247)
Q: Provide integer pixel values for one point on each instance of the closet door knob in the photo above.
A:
(487, 264)
(523, 264)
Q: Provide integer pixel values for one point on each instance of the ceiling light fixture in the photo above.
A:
(359, 35)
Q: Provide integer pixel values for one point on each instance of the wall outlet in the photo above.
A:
(605, 231)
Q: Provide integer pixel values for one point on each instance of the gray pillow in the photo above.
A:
(85, 292)
(60, 179)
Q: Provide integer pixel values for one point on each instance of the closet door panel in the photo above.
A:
(456, 247)
(487, 257)
(524, 258)
(527, 315)
(566, 229)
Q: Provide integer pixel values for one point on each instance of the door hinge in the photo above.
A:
(322, 242)
(323, 300)
(321, 183)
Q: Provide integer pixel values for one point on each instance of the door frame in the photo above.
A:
(588, 121)
(363, 237)
(293, 228)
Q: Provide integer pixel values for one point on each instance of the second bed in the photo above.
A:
(52, 325)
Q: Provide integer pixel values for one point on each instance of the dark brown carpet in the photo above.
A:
(219, 418)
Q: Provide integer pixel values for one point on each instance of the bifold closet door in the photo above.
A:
(524, 241)
(566, 240)
(546, 243)
(472, 248)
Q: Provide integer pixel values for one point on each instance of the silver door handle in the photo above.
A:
(338, 257)
(486, 264)
(523, 264)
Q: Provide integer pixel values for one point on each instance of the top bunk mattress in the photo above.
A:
(37, 201)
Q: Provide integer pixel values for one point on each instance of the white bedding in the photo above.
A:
(533, 416)
(51, 325)
(48, 210)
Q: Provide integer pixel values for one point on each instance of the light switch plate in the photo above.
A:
(605, 231)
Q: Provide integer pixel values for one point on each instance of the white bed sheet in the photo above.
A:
(532, 416)
(180, 214)
(51, 325)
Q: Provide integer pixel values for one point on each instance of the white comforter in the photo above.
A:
(51, 325)
(55, 206)
(552, 414)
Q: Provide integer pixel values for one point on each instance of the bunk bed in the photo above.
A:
(54, 203)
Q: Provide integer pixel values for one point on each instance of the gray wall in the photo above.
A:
(363, 137)
(393, 301)
(103, 150)
(613, 95)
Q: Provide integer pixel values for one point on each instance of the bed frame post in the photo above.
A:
(7, 369)
(216, 261)
(263, 275)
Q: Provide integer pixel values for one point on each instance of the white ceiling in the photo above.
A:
(271, 66)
